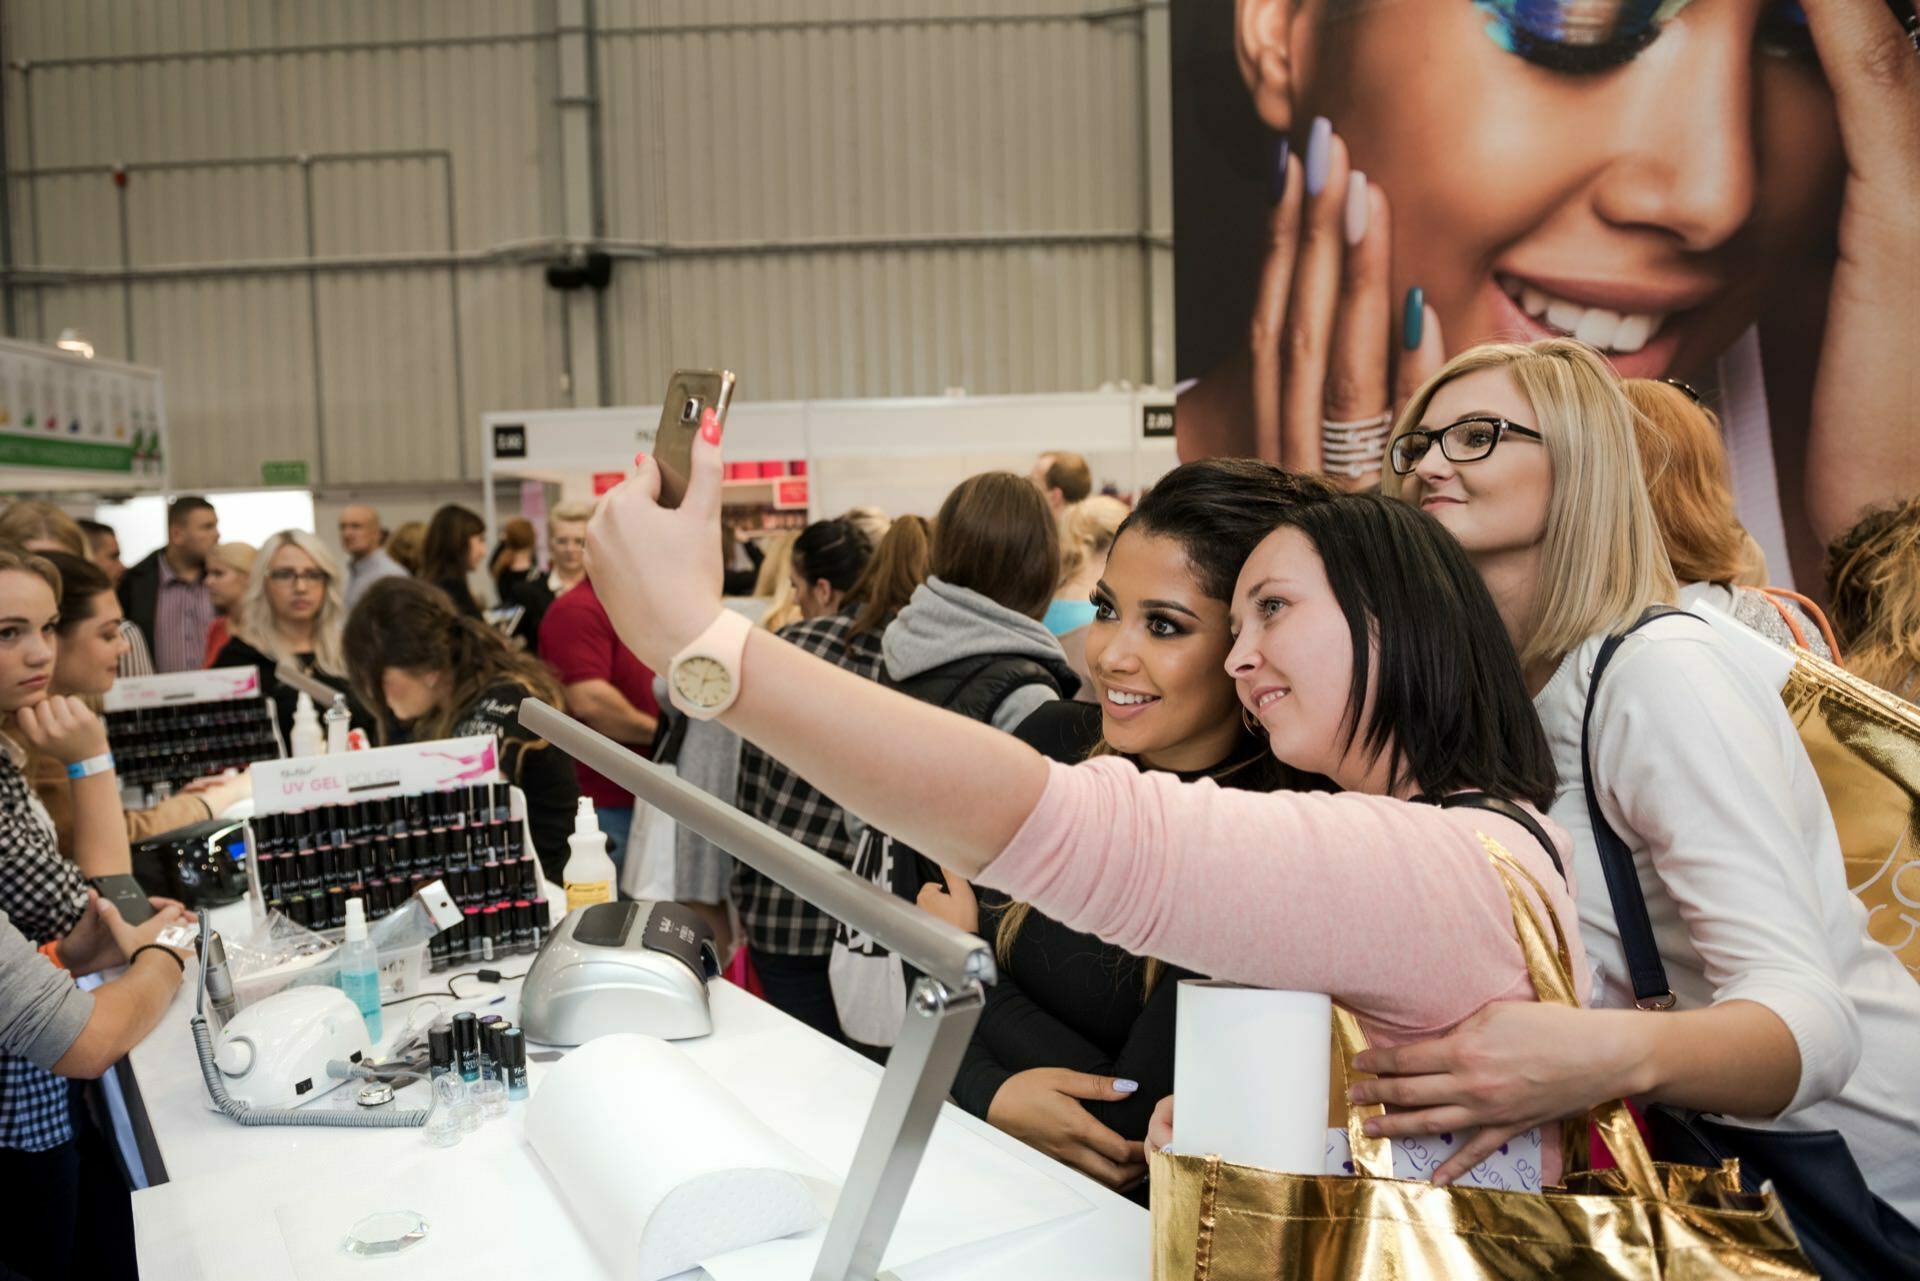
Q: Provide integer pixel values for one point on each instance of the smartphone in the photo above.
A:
(690, 393)
(127, 895)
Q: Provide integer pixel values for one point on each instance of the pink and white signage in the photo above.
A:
(215, 685)
(305, 781)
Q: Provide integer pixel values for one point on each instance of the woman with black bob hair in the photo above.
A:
(421, 663)
(1380, 664)
(1070, 1015)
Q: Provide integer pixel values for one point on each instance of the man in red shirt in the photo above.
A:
(607, 688)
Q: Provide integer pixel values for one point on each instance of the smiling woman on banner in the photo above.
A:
(1333, 614)
(1721, 190)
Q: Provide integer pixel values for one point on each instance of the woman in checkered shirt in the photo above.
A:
(43, 894)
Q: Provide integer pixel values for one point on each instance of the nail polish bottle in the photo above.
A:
(514, 1044)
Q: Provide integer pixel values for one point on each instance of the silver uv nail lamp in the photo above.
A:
(621, 967)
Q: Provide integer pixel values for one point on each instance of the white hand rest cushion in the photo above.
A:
(661, 1167)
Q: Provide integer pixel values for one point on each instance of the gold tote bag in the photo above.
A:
(1865, 746)
(1215, 1221)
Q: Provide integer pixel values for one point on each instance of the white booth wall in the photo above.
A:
(899, 455)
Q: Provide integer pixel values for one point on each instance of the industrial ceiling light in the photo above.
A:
(74, 341)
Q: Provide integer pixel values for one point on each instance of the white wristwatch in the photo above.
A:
(704, 678)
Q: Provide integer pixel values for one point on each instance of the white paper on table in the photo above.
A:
(965, 1194)
(1250, 1069)
(661, 1167)
(478, 1200)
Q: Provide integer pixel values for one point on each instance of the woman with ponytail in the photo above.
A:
(423, 664)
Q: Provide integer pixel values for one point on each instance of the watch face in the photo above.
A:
(703, 682)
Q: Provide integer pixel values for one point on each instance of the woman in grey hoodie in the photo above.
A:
(970, 640)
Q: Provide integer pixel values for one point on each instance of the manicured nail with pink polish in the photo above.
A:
(1356, 207)
(710, 427)
(640, 459)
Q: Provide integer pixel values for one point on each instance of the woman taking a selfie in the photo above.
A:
(1338, 615)
(1069, 1015)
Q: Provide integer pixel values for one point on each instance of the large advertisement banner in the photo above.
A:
(1722, 191)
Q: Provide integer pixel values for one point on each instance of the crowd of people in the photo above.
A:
(1229, 729)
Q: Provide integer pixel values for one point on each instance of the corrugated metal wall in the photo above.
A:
(335, 215)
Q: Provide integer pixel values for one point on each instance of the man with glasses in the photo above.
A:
(165, 595)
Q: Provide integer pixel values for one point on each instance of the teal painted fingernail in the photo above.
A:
(1414, 323)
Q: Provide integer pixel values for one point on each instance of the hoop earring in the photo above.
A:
(1253, 725)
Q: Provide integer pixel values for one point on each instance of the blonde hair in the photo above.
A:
(1087, 530)
(569, 513)
(870, 521)
(1602, 562)
(776, 581)
(1873, 578)
(237, 557)
(36, 520)
(1687, 483)
(256, 625)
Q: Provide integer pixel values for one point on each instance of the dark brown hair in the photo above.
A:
(899, 564)
(1069, 474)
(81, 581)
(450, 532)
(995, 535)
(414, 626)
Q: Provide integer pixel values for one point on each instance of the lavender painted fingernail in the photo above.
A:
(1356, 207)
(1125, 1086)
(1282, 152)
(1319, 154)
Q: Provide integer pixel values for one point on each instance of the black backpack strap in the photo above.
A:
(1506, 809)
(1651, 991)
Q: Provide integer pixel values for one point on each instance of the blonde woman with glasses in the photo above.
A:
(293, 612)
(1782, 1012)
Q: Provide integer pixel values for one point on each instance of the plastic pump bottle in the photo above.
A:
(360, 969)
(589, 873)
(307, 739)
(338, 722)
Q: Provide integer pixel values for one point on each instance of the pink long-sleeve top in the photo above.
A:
(1391, 908)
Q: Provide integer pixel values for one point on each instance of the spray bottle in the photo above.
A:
(589, 872)
(307, 739)
(360, 968)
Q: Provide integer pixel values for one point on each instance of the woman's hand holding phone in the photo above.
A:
(1333, 355)
(657, 569)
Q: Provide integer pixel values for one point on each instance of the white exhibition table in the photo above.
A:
(236, 1197)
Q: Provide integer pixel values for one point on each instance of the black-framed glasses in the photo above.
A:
(1466, 441)
(311, 577)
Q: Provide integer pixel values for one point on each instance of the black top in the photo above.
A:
(1065, 999)
(534, 596)
(535, 766)
(462, 596)
(237, 653)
